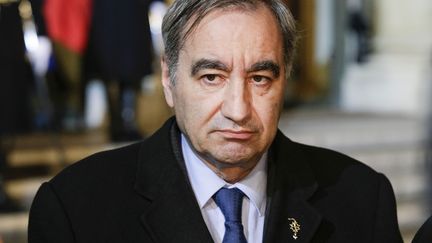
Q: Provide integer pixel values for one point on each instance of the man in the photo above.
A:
(219, 171)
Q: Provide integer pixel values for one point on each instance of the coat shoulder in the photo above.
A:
(329, 168)
(102, 168)
(327, 162)
(115, 165)
(330, 157)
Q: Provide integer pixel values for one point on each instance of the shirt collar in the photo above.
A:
(205, 183)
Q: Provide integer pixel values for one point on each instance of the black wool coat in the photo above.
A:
(141, 193)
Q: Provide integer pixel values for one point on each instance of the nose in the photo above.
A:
(237, 101)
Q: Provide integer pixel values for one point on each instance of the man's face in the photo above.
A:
(229, 86)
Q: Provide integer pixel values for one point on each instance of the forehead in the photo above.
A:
(245, 31)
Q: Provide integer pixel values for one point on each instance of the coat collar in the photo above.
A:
(173, 214)
(162, 180)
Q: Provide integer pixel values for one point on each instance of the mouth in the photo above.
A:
(236, 134)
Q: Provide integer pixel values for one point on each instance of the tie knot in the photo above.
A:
(230, 203)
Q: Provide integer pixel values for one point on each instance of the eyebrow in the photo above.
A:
(266, 65)
(207, 64)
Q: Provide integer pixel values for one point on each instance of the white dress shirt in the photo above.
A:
(205, 183)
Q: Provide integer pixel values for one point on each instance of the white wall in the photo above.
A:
(404, 26)
(324, 23)
(397, 79)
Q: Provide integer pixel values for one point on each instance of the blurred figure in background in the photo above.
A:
(16, 81)
(107, 40)
(15, 73)
(67, 24)
(120, 52)
(359, 25)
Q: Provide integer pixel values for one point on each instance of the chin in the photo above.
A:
(234, 156)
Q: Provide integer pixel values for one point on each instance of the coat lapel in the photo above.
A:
(173, 214)
(289, 215)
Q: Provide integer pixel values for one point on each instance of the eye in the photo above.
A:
(260, 80)
(212, 79)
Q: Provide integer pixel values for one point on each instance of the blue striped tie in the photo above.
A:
(230, 203)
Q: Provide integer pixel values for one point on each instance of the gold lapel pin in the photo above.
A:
(295, 227)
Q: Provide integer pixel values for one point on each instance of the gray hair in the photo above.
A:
(184, 15)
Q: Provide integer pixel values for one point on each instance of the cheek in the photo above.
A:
(271, 116)
(268, 107)
(194, 112)
(269, 113)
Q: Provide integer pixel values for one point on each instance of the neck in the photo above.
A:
(231, 172)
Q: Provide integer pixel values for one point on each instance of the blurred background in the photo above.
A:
(80, 76)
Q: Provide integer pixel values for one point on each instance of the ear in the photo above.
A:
(166, 83)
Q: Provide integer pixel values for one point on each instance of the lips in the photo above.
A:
(237, 135)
